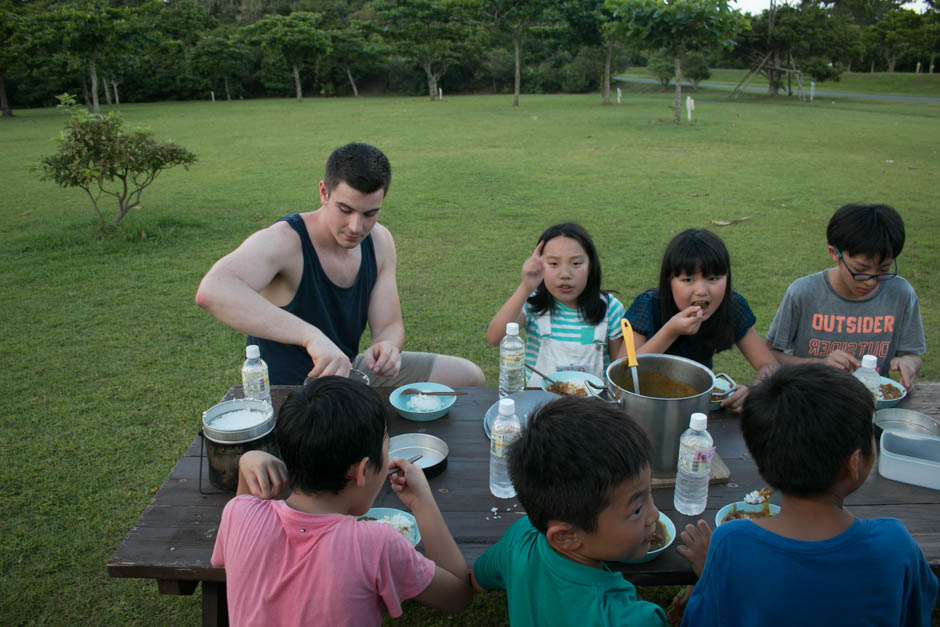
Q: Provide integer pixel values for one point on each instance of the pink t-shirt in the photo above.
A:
(284, 567)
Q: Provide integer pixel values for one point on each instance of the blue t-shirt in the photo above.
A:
(544, 588)
(646, 319)
(873, 573)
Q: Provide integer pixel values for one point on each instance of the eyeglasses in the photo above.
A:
(865, 276)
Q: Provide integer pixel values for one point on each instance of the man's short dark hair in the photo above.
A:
(873, 230)
(325, 428)
(572, 454)
(363, 167)
(803, 423)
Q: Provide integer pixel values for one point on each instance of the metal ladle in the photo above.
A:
(631, 352)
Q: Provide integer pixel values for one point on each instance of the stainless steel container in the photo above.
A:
(226, 438)
(663, 418)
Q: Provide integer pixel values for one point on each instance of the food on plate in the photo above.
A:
(758, 496)
(400, 522)
(660, 536)
(888, 392)
(423, 402)
(566, 388)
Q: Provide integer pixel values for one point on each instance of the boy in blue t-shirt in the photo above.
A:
(809, 429)
(582, 471)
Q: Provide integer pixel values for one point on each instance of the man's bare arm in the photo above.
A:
(385, 320)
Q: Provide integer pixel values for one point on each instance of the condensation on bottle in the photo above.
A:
(504, 430)
(696, 449)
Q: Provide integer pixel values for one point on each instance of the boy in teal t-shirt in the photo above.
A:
(582, 471)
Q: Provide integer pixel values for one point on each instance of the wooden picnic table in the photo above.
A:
(172, 540)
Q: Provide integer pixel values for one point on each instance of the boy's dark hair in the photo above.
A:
(873, 230)
(592, 308)
(572, 454)
(363, 167)
(325, 428)
(803, 423)
(691, 251)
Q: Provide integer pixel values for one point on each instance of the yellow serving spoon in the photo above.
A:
(631, 352)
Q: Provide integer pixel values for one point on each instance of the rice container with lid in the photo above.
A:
(910, 457)
(231, 428)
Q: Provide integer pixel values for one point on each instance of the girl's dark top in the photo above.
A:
(646, 319)
(341, 313)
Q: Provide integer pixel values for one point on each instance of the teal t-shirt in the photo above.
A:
(544, 588)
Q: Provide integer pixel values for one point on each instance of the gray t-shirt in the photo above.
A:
(813, 320)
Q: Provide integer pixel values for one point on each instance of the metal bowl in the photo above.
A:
(433, 451)
(895, 419)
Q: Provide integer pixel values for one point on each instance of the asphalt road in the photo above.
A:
(819, 92)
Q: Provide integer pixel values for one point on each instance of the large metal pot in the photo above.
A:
(663, 418)
(231, 428)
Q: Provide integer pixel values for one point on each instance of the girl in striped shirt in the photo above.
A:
(570, 322)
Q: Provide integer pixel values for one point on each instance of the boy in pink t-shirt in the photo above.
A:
(307, 559)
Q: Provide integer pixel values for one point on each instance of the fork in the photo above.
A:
(427, 393)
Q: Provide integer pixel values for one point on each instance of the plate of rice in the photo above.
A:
(403, 522)
(422, 407)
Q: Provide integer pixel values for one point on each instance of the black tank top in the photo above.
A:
(341, 313)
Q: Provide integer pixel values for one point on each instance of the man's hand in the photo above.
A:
(907, 365)
(533, 269)
(688, 321)
(383, 358)
(842, 360)
(327, 358)
(410, 484)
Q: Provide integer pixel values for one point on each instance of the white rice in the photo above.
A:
(401, 523)
(238, 419)
(423, 402)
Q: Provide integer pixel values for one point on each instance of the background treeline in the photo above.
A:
(131, 51)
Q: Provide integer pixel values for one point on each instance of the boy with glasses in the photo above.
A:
(858, 307)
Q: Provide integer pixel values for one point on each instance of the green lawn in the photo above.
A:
(108, 363)
(893, 83)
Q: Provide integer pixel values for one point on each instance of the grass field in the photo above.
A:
(108, 363)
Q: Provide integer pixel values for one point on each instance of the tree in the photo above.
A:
(896, 34)
(426, 32)
(219, 57)
(679, 26)
(295, 39)
(591, 23)
(10, 55)
(95, 154)
(515, 18)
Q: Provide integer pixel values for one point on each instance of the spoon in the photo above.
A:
(427, 393)
(631, 352)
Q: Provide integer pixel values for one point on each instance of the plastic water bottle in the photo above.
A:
(511, 361)
(868, 375)
(504, 431)
(696, 449)
(255, 382)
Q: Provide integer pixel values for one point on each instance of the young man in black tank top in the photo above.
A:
(293, 293)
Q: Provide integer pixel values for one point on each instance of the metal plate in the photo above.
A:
(433, 451)
(895, 419)
(527, 401)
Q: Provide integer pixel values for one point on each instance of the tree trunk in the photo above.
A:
(300, 95)
(351, 81)
(432, 81)
(849, 66)
(872, 69)
(892, 60)
(107, 92)
(677, 105)
(4, 103)
(117, 100)
(94, 85)
(228, 92)
(605, 88)
(515, 91)
(85, 92)
(933, 57)
(773, 76)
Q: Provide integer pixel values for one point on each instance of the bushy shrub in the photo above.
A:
(97, 155)
(662, 67)
(821, 70)
(695, 68)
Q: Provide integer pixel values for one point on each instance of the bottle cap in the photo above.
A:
(252, 351)
(699, 422)
(869, 361)
(507, 406)
(512, 328)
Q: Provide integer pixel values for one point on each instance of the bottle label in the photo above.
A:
(696, 461)
(500, 441)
